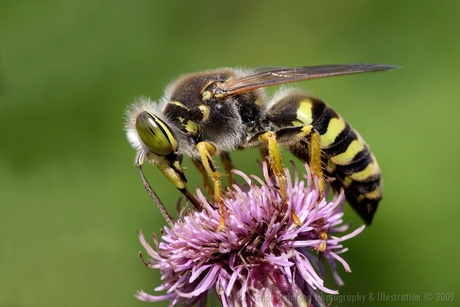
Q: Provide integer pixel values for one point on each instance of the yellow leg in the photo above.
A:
(265, 157)
(276, 166)
(314, 153)
(315, 160)
(207, 150)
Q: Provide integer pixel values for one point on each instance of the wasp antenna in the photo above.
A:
(155, 198)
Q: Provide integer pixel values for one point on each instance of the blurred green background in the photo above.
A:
(71, 201)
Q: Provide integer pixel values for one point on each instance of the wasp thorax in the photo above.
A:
(155, 134)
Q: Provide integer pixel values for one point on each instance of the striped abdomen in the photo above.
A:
(345, 155)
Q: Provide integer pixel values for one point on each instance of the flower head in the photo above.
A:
(262, 258)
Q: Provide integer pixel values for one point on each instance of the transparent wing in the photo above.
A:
(286, 75)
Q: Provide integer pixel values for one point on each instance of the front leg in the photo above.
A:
(227, 164)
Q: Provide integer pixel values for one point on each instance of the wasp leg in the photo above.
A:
(307, 136)
(296, 139)
(228, 166)
(172, 170)
(268, 140)
(265, 157)
(207, 150)
(204, 174)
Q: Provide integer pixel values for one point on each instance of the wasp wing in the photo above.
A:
(287, 75)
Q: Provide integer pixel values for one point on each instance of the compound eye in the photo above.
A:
(155, 134)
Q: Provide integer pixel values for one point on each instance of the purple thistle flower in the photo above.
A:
(262, 258)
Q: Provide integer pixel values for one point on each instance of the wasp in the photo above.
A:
(211, 113)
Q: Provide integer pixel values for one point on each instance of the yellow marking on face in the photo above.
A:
(347, 156)
(204, 110)
(259, 102)
(371, 169)
(336, 125)
(181, 119)
(304, 112)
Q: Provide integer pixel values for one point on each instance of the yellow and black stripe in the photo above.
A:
(344, 154)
